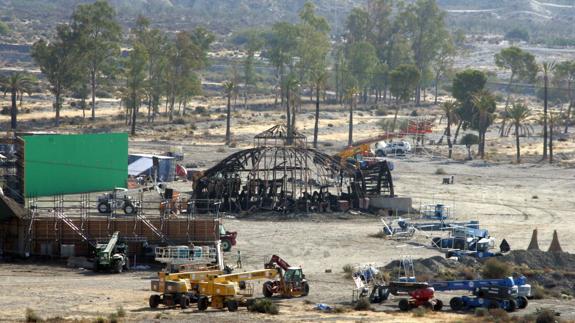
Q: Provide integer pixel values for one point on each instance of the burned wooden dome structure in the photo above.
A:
(282, 174)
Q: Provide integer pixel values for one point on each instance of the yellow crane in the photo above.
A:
(230, 291)
(178, 288)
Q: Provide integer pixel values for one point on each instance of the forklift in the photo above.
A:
(112, 256)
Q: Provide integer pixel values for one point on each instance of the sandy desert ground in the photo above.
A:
(501, 197)
(508, 199)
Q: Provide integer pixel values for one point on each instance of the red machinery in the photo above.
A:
(292, 281)
(420, 295)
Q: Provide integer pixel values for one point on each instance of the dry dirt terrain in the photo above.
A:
(509, 200)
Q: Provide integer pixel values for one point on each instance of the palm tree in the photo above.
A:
(229, 90)
(17, 84)
(291, 88)
(485, 105)
(547, 68)
(319, 80)
(351, 95)
(553, 120)
(450, 111)
(518, 115)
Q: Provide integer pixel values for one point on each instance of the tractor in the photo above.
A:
(227, 238)
(117, 199)
(291, 280)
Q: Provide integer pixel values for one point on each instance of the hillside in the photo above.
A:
(30, 19)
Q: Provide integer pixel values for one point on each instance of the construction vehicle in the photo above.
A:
(465, 238)
(508, 293)
(191, 258)
(227, 238)
(420, 294)
(117, 199)
(291, 281)
(178, 288)
(230, 291)
(112, 255)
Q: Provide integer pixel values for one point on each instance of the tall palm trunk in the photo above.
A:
(14, 111)
(228, 121)
(93, 84)
(350, 135)
(545, 135)
(457, 132)
(57, 95)
(316, 125)
(568, 116)
(288, 117)
(134, 113)
(448, 134)
(551, 141)
(517, 143)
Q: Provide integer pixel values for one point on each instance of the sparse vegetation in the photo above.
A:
(264, 306)
(440, 171)
(495, 269)
(537, 291)
(481, 312)
(32, 317)
(121, 312)
(362, 304)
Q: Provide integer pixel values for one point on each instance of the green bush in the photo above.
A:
(495, 269)
(4, 29)
(264, 306)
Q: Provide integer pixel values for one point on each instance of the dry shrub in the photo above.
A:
(545, 315)
(31, 316)
(468, 273)
(348, 269)
(440, 171)
(362, 304)
(495, 269)
(481, 312)
(121, 312)
(420, 311)
(264, 306)
(340, 309)
(499, 315)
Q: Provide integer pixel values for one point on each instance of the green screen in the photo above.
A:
(67, 164)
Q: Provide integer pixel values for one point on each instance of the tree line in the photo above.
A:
(86, 54)
(390, 51)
